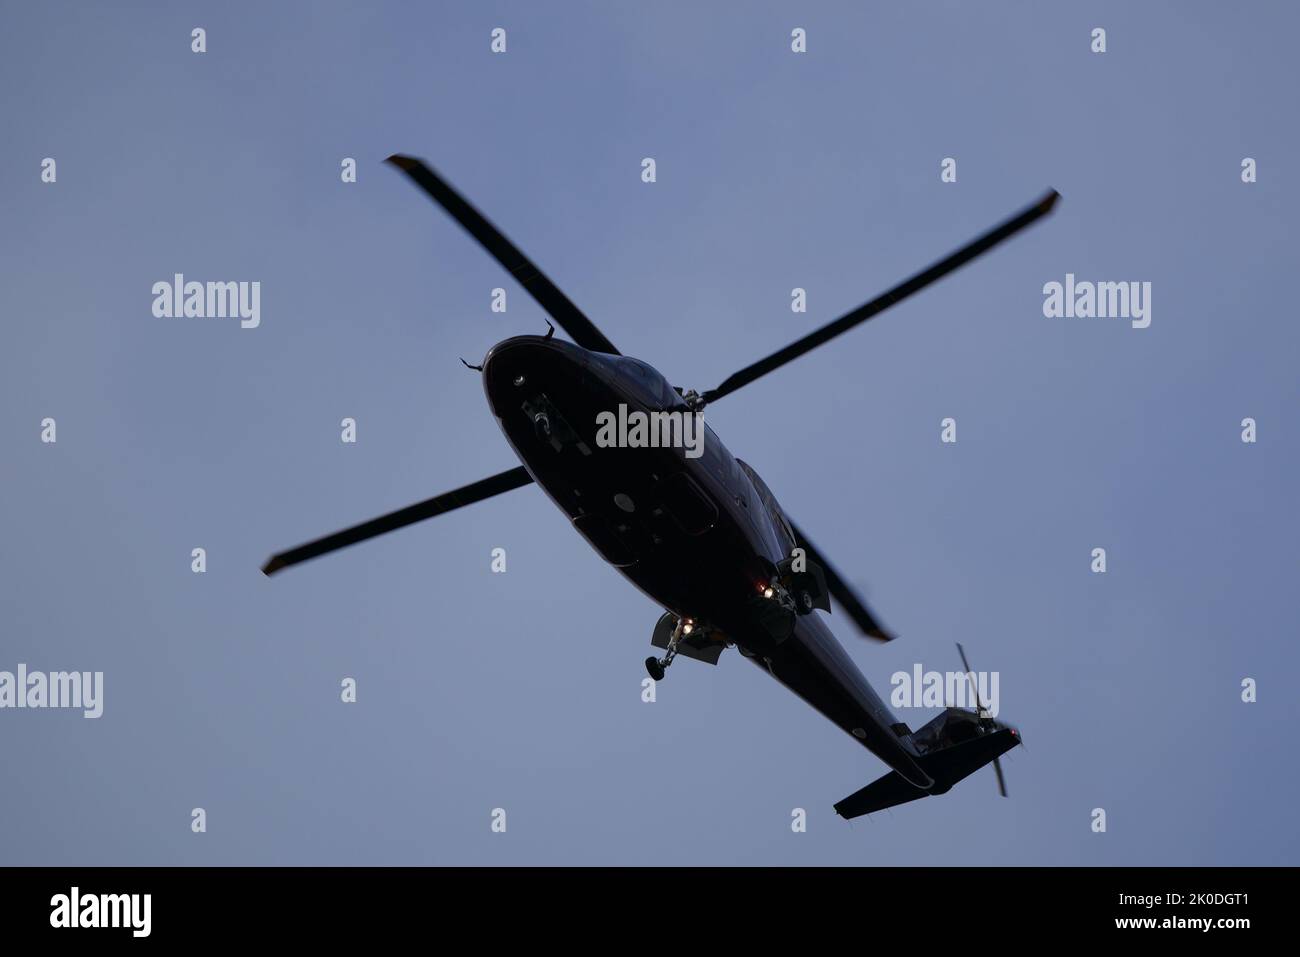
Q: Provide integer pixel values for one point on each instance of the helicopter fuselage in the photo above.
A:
(698, 533)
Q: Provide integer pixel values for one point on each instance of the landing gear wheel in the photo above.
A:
(803, 589)
(658, 666)
(807, 588)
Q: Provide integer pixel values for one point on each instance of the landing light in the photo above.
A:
(767, 592)
(687, 628)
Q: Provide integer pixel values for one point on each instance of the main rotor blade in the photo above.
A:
(883, 302)
(439, 504)
(569, 317)
(842, 592)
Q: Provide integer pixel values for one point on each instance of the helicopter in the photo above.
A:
(702, 535)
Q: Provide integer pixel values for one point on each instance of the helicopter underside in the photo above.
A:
(695, 529)
(657, 516)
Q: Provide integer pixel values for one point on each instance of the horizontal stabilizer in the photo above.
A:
(947, 766)
(889, 791)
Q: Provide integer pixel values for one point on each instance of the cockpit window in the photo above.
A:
(768, 499)
(651, 387)
(759, 484)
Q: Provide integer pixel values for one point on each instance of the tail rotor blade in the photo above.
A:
(979, 709)
(970, 676)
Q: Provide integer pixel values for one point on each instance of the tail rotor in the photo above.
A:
(986, 719)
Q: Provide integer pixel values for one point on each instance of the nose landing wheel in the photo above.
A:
(658, 667)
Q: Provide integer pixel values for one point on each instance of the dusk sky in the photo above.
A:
(775, 170)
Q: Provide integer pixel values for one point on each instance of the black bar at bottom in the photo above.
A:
(975, 905)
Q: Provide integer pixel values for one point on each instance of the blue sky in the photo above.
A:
(775, 170)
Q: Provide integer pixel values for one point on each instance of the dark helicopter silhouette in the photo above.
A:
(701, 534)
